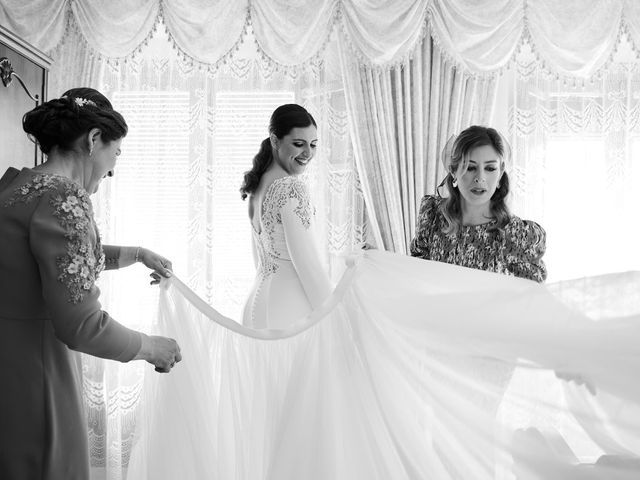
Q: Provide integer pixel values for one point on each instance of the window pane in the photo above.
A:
(591, 227)
(575, 180)
(147, 198)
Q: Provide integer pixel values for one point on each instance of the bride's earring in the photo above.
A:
(455, 183)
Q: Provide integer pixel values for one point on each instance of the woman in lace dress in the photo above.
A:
(473, 227)
(50, 257)
(290, 278)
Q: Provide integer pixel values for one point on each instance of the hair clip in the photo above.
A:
(81, 102)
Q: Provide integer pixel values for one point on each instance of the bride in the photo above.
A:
(384, 376)
(282, 218)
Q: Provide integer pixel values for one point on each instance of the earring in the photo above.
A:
(91, 151)
(455, 183)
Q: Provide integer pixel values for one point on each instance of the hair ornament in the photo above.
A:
(82, 102)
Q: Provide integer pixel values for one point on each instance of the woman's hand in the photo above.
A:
(161, 266)
(161, 352)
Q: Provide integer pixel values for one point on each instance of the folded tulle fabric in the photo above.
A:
(410, 370)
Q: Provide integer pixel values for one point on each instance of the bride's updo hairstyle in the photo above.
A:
(283, 119)
(61, 121)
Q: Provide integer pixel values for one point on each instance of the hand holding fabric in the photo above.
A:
(161, 352)
(161, 266)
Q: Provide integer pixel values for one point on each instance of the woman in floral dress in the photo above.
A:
(50, 257)
(473, 227)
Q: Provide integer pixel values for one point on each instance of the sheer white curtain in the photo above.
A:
(400, 119)
(576, 170)
(577, 162)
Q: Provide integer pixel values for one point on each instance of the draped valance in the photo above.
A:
(571, 37)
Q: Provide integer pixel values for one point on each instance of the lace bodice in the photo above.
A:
(288, 197)
(291, 279)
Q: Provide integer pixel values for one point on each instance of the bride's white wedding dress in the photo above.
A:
(290, 280)
(388, 378)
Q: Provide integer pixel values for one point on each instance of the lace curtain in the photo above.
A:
(576, 162)
(175, 190)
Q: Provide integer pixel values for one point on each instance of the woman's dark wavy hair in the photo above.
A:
(283, 119)
(451, 208)
(61, 121)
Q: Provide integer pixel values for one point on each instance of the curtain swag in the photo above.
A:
(572, 38)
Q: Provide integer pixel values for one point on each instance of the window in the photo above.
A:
(576, 157)
(147, 198)
(152, 172)
(589, 217)
(575, 178)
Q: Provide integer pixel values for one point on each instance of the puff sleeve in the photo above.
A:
(420, 243)
(524, 256)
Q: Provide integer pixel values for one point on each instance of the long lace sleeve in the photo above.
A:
(64, 241)
(297, 216)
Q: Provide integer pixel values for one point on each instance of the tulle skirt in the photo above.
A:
(410, 370)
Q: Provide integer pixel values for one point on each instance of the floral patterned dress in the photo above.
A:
(515, 250)
(50, 257)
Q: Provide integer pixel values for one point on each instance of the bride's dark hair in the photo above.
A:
(283, 119)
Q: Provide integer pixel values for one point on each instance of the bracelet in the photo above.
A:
(137, 253)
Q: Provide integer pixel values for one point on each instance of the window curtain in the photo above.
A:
(573, 38)
(400, 119)
(576, 151)
(576, 171)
